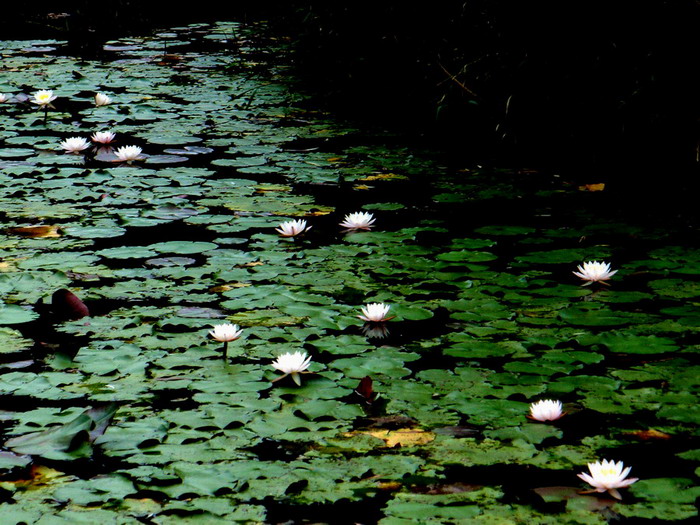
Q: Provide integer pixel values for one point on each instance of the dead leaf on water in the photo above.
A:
(592, 187)
(227, 287)
(648, 435)
(384, 176)
(39, 475)
(404, 437)
(37, 232)
(273, 188)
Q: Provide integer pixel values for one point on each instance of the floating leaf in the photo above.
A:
(66, 441)
(14, 314)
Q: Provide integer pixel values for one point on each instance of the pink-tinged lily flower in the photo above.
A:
(375, 313)
(103, 137)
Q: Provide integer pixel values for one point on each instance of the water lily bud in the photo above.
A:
(102, 100)
(66, 305)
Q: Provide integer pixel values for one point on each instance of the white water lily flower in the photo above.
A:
(375, 312)
(546, 410)
(360, 220)
(608, 476)
(75, 144)
(594, 271)
(292, 364)
(292, 228)
(103, 137)
(102, 100)
(44, 97)
(128, 153)
(3, 98)
(226, 332)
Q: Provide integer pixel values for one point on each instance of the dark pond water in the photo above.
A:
(130, 414)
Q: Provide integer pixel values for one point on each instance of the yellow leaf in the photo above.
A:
(361, 187)
(38, 476)
(592, 187)
(405, 437)
(36, 232)
(7, 266)
(272, 188)
(384, 176)
(227, 287)
(646, 435)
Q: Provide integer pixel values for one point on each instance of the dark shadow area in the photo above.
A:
(604, 92)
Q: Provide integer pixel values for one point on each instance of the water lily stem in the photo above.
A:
(225, 352)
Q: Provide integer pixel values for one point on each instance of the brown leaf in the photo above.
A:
(383, 176)
(37, 232)
(365, 390)
(648, 435)
(600, 186)
(227, 287)
(38, 476)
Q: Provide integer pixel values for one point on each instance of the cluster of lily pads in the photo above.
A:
(605, 476)
(435, 432)
(76, 145)
(293, 364)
